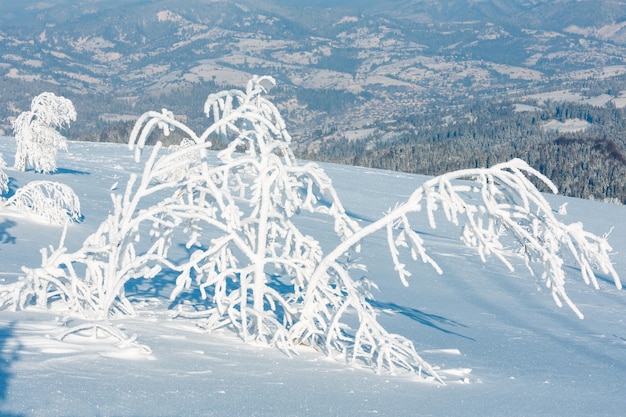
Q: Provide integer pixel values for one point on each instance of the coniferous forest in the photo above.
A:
(588, 163)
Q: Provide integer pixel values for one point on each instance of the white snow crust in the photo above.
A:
(503, 346)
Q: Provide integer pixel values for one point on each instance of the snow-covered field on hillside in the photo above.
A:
(527, 356)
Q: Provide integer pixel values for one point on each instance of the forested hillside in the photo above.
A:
(586, 161)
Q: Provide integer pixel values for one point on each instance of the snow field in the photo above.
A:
(527, 356)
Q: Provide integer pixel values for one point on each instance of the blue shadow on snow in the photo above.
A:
(431, 320)
(5, 236)
(8, 355)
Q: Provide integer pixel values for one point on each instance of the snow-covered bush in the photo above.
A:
(36, 135)
(50, 201)
(258, 273)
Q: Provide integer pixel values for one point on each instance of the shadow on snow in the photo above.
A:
(162, 285)
(12, 187)
(5, 236)
(431, 320)
(70, 171)
(8, 355)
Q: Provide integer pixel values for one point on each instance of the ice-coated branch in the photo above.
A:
(4, 179)
(500, 201)
(497, 203)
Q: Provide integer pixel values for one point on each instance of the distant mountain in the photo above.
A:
(365, 60)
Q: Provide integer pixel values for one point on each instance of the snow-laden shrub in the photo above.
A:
(188, 160)
(36, 135)
(259, 274)
(50, 201)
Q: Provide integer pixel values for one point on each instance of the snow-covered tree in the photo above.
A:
(258, 273)
(36, 132)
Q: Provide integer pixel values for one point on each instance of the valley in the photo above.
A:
(352, 76)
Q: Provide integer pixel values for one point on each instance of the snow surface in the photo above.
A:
(527, 356)
(568, 126)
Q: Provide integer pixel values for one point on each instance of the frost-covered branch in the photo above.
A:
(4, 179)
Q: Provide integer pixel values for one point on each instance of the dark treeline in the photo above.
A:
(120, 133)
(586, 164)
(330, 101)
(583, 167)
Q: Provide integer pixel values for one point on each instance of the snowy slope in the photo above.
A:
(527, 356)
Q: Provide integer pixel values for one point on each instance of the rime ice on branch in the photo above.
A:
(4, 179)
(258, 273)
